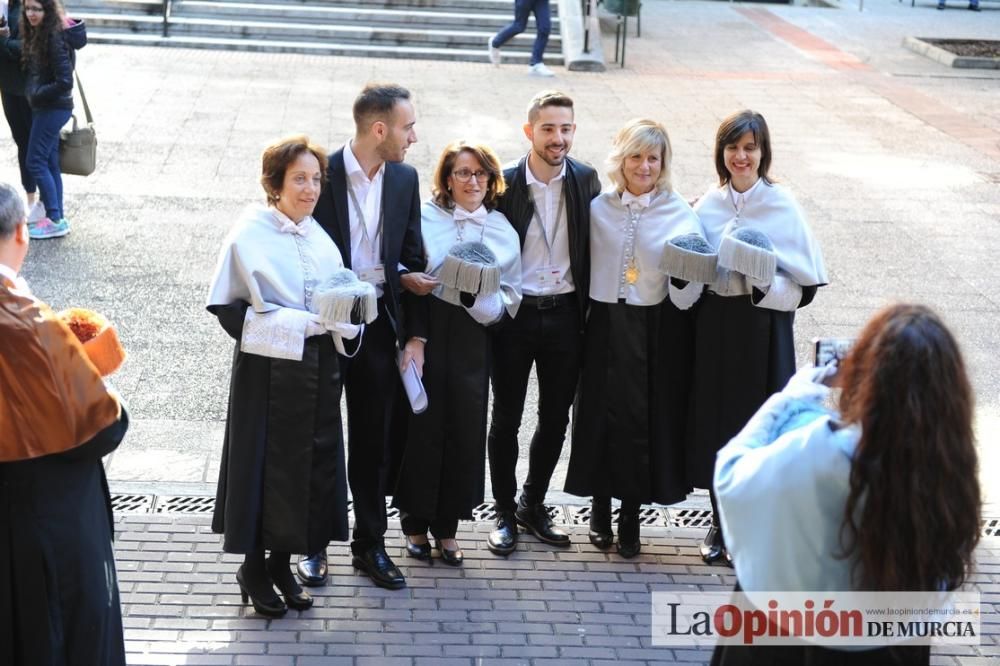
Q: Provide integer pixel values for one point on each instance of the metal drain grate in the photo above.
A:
(484, 513)
(690, 518)
(131, 503)
(560, 515)
(184, 504)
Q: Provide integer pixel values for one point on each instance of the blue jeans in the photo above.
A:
(43, 158)
(543, 24)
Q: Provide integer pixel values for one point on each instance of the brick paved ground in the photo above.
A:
(539, 606)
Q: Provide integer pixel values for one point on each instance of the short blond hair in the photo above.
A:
(639, 135)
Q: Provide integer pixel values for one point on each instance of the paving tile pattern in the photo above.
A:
(541, 605)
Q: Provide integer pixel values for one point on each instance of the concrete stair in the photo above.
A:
(428, 29)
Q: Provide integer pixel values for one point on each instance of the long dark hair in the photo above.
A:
(36, 40)
(913, 513)
(731, 129)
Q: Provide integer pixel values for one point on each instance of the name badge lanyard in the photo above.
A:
(549, 244)
(372, 246)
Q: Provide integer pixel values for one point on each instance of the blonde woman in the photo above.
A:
(629, 423)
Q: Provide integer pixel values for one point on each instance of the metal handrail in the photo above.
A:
(167, 7)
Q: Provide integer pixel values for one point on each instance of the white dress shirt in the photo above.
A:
(366, 247)
(535, 255)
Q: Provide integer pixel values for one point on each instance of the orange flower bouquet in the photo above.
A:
(98, 337)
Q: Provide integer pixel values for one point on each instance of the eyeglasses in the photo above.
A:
(465, 175)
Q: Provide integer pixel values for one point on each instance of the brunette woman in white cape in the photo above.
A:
(745, 349)
(442, 472)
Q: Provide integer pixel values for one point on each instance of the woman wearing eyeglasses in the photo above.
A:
(476, 255)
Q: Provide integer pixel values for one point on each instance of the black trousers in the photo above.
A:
(551, 340)
(18, 113)
(440, 528)
(373, 413)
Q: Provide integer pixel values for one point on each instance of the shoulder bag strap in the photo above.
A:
(83, 96)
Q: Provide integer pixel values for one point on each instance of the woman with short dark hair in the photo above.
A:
(282, 483)
(475, 253)
(882, 493)
(769, 265)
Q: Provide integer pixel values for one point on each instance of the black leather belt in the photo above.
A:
(550, 302)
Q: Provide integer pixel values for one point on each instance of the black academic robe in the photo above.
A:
(442, 468)
(59, 603)
(743, 355)
(629, 420)
(282, 483)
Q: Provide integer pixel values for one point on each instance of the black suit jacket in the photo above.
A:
(401, 240)
(581, 186)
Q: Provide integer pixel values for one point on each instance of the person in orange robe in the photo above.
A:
(59, 601)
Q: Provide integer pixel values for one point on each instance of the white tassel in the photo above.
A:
(689, 257)
(749, 252)
(343, 294)
(472, 268)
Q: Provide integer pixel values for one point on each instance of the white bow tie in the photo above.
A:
(478, 215)
(636, 202)
(287, 226)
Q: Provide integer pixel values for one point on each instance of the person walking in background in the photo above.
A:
(631, 412)
(543, 26)
(59, 601)
(282, 481)
(48, 59)
(745, 348)
(973, 5)
(881, 495)
(16, 109)
(547, 201)
(370, 207)
(441, 476)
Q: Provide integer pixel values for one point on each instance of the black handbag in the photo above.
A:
(78, 145)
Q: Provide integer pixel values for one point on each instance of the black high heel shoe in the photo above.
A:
(295, 596)
(600, 523)
(265, 601)
(419, 551)
(452, 557)
(628, 533)
(713, 548)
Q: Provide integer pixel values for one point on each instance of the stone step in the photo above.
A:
(418, 18)
(449, 29)
(467, 7)
(316, 48)
(183, 26)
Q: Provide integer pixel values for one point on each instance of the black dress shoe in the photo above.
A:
(503, 539)
(452, 557)
(628, 534)
(260, 592)
(713, 548)
(376, 563)
(312, 571)
(536, 520)
(600, 523)
(295, 596)
(419, 551)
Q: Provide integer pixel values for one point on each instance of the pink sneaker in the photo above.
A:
(46, 228)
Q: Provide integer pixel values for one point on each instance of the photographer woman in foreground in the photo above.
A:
(882, 496)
